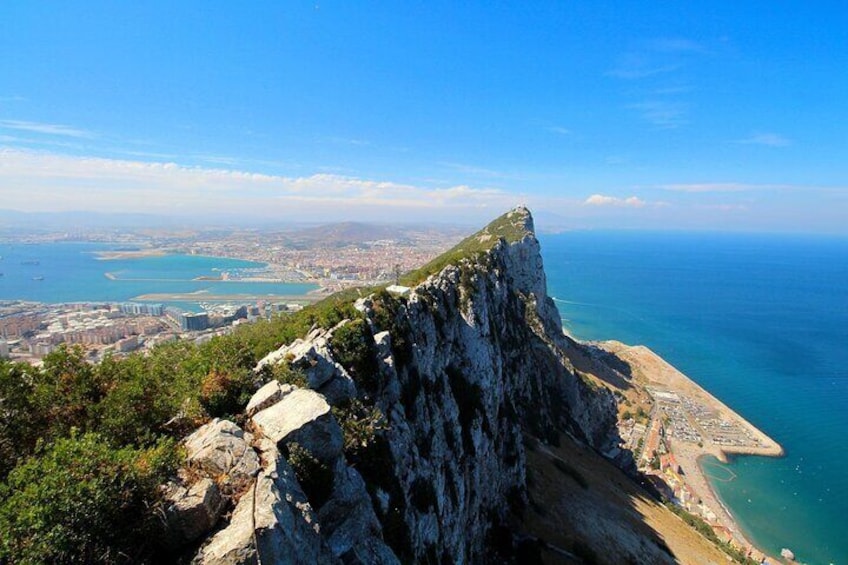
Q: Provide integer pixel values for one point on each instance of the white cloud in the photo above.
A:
(709, 187)
(602, 200)
(725, 207)
(48, 129)
(40, 181)
(722, 187)
(768, 139)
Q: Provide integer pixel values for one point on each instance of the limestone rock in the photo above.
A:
(348, 521)
(270, 393)
(222, 450)
(476, 357)
(272, 523)
(302, 416)
(312, 356)
(192, 512)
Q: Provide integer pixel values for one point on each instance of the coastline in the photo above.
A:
(139, 254)
(657, 371)
(195, 296)
(655, 375)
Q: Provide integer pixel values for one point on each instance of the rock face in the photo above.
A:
(473, 356)
(191, 512)
(464, 364)
(312, 356)
(302, 417)
(222, 451)
(272, 523)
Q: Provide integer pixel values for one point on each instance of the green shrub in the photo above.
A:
(360, 426)
(353, 347)
(315, 477)
(20, 424)
(65, 390)
(286, 374)
(82, 501)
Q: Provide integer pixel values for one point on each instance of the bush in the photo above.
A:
(81, 501)
(65, 391)
(353, 347)
(360, 425)
(286, 374)
(20, 425)
(315, 477)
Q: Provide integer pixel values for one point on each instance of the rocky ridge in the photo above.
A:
(462, 368)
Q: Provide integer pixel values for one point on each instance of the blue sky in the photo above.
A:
(723, 116)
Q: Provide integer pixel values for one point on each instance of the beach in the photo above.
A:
(670, 388)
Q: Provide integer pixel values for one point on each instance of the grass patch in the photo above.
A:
(510, 227)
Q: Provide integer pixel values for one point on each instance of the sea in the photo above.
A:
(761, 321)
(73, 272)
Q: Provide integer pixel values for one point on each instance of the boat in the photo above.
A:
(38, 278)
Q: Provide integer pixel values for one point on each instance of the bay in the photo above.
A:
(72, 272)
(761, 321)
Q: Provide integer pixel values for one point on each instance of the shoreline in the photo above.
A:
(206, 297)
(137, 254)
(653, 373)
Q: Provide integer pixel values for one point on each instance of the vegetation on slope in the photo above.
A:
(510, 227)
(83, 446)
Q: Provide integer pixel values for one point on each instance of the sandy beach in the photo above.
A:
(654, 373)
(653, 370)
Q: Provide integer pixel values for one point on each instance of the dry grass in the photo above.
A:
(593, 512)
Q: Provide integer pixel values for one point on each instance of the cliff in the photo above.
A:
(419, 430)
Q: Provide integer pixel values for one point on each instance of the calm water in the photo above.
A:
(72, 273)
(762, 323)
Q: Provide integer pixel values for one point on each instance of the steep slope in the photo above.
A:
(475, 359)
(449, 399)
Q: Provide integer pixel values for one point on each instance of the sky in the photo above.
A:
(728, 116)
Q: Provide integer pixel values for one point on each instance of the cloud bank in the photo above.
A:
(601, 200)
(35, 181)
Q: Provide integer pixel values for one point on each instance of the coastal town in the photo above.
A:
(331, 259)
(677, 424)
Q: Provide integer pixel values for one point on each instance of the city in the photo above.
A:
(331, 258)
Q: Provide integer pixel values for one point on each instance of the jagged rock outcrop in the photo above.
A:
(269, 394)
(272, 523)
(191, 511)
(222, 451)
(313, 358)
(464, 365)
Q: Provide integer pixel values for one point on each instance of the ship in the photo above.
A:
(38, 278)
(30, 262)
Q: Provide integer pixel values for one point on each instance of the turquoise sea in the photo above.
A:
(759, 321)
(71, 272)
